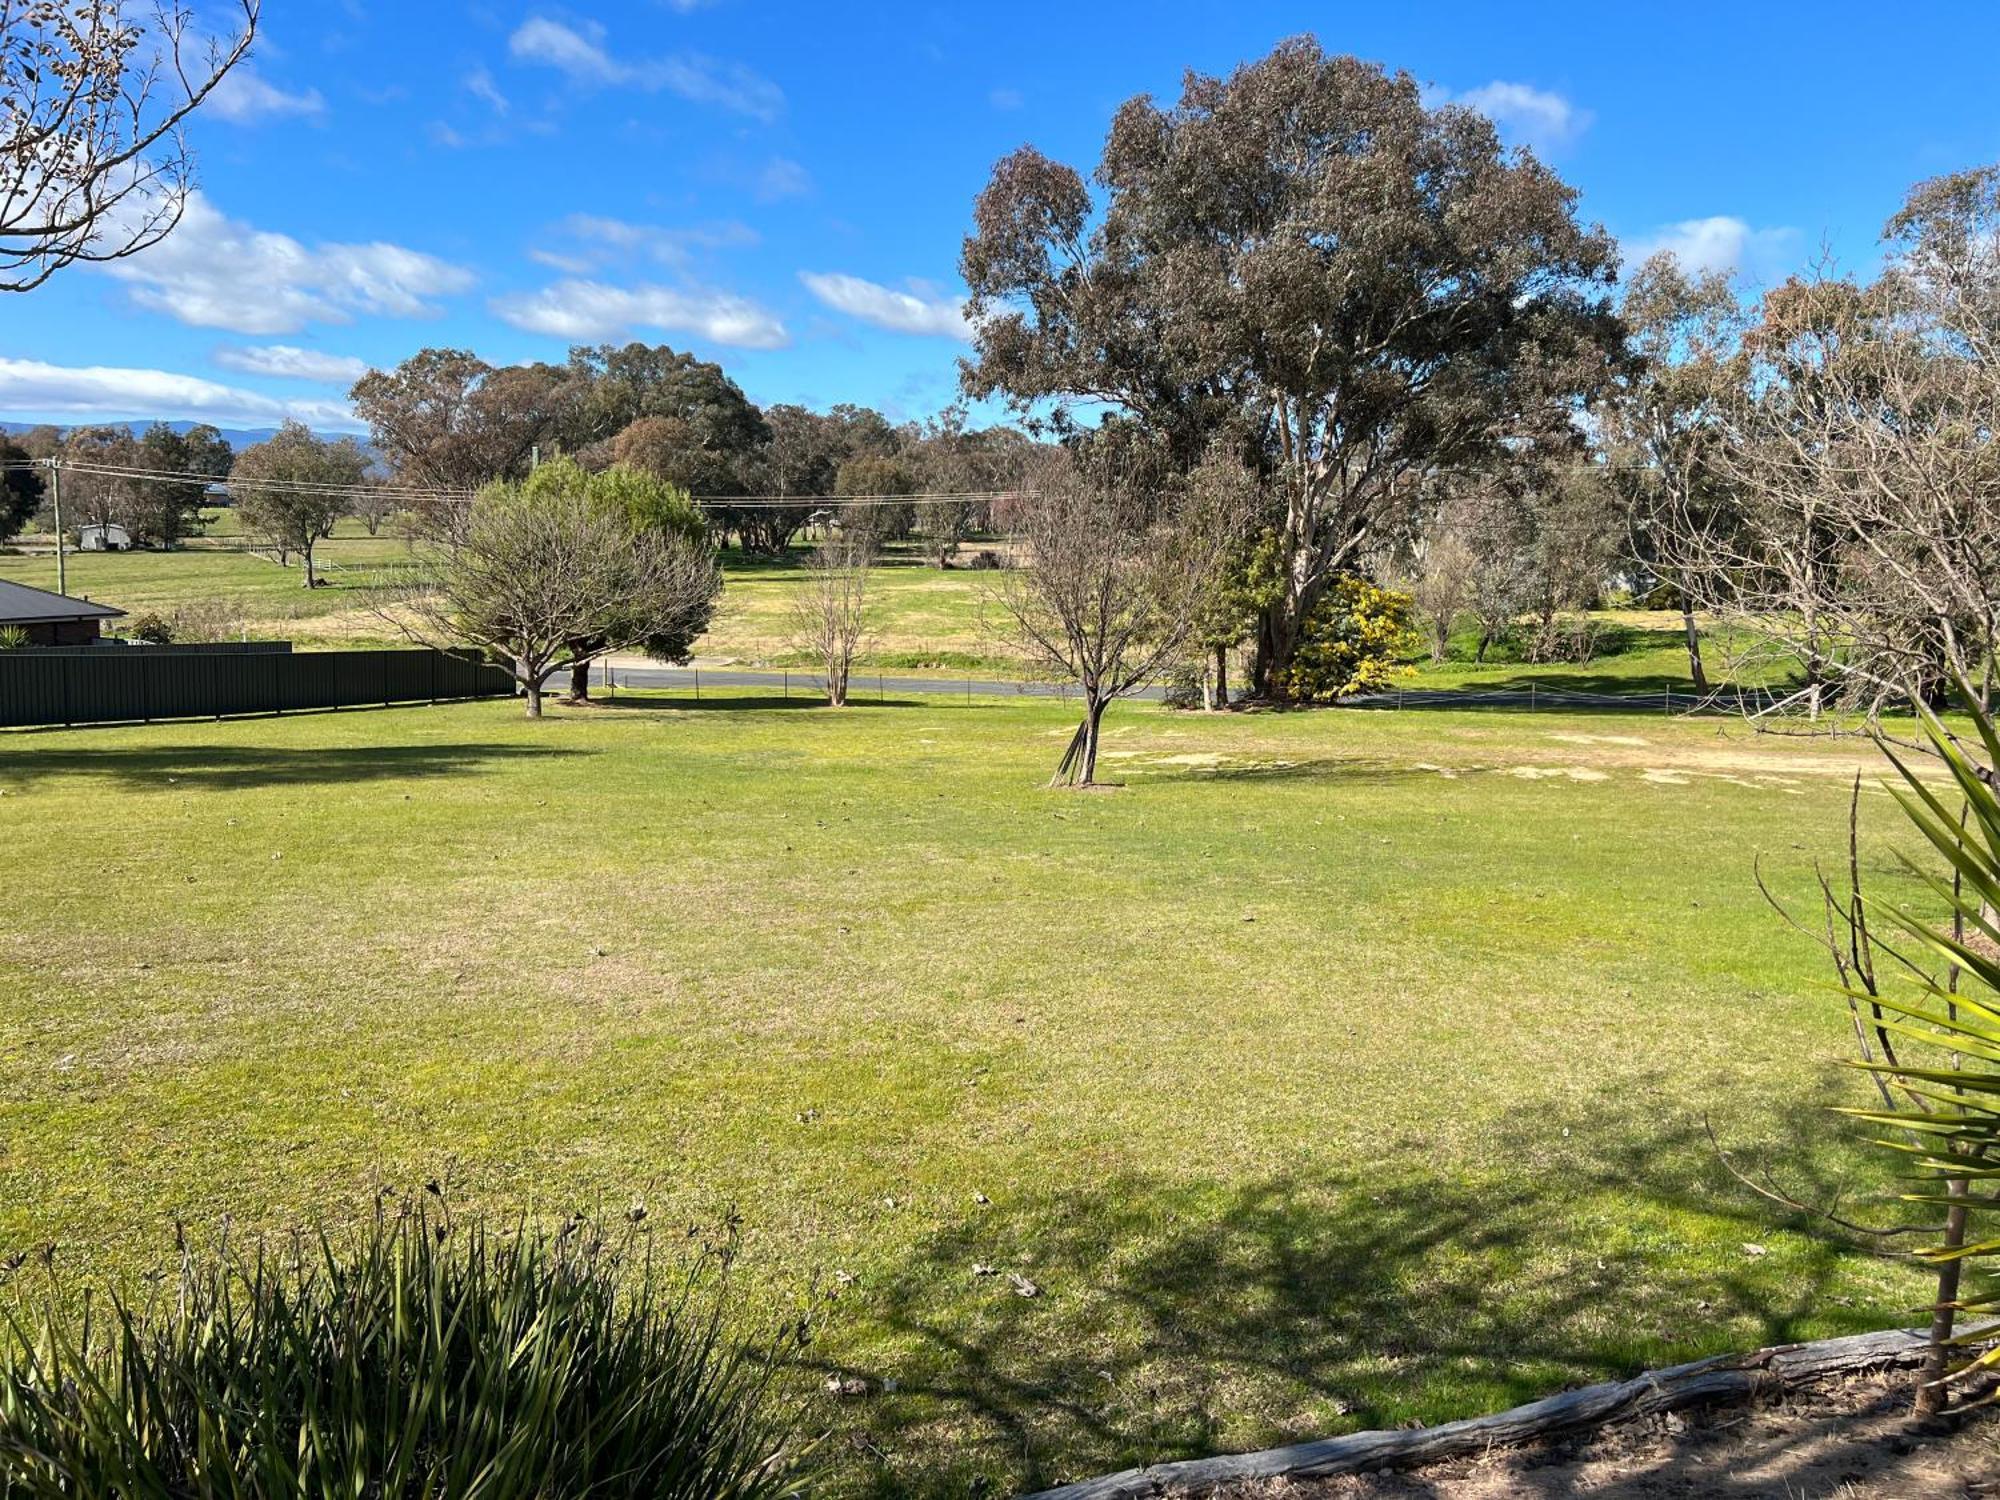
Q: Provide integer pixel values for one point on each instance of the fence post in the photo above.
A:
(1531, 697)
(788, 685)
(697, 684)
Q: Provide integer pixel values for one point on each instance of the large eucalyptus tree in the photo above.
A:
(1368, 286)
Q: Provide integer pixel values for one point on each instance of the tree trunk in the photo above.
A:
(1944, 1313)
(1079, 762)
(1695, 669)
(579, 681)
(531, 687)
(308, 554)
(1221, 679)
(1282, 625)
(836, 685)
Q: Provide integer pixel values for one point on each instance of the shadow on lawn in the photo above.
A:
(1178, 1319)
(224, 768)
(736, 702)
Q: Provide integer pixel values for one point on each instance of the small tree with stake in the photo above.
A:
(830, 612)
(1121, 558)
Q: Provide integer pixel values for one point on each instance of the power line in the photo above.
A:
(418, 493)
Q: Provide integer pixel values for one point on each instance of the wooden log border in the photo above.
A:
(1723, 1378)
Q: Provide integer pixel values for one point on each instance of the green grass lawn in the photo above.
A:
(270, 601)
(920, 617)
(1342, 1069)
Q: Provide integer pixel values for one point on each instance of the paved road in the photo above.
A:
(862, 687)
(868, 685)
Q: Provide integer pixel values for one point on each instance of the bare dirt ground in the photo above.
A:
(1856, 1441)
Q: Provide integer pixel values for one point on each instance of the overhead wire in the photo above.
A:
(418, 493)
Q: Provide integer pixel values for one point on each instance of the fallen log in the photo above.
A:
(1723, 1378)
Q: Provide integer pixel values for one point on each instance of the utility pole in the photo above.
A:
(55, 498)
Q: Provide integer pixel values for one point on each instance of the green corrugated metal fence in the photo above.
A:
(120, 686)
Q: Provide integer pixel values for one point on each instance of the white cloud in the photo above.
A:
(1536, 117)
(479, 83)
(600, 238)
(782, 178)
(1718, 243)
(570, 265)
(918, 310)
(106, 392)
(581, 53)
(245, 96)
(589, 311)
(289, 362)
(216, 272)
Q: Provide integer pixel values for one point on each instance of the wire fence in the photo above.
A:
(878, 686)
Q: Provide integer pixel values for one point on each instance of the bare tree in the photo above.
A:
(829, 613)
(94, 165)
(1666, 427)
(1442, 576)
(1860, 562)
(372, 506)
(1119, 563)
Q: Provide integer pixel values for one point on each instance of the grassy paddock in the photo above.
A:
(921, 617)
(1341, 1069)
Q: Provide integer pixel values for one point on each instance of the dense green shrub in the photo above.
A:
(1353, 641)
(423, 1358)
(154, 628)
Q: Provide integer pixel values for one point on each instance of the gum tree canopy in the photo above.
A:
(1370, 288)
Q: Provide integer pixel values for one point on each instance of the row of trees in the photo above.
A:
(1821, 470)
(155, 512)
(445, 419)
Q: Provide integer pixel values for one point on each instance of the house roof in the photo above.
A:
(21, 605)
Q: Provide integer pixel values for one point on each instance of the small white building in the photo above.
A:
(109, 537)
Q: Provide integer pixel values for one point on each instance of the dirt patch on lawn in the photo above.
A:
(1855, 1441)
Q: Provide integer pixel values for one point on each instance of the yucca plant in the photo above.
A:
(1933, 1044)
(418, 1358)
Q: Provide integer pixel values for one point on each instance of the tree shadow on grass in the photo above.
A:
(728, 702)
(1173, 1318)
(1352, 769)
(226, 768)
(1560, 678)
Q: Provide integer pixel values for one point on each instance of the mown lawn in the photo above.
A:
(214, 571)
(1341, 1069)
(920, 617)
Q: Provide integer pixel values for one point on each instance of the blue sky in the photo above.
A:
(784, 187)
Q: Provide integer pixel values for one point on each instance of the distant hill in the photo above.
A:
(238, 438)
